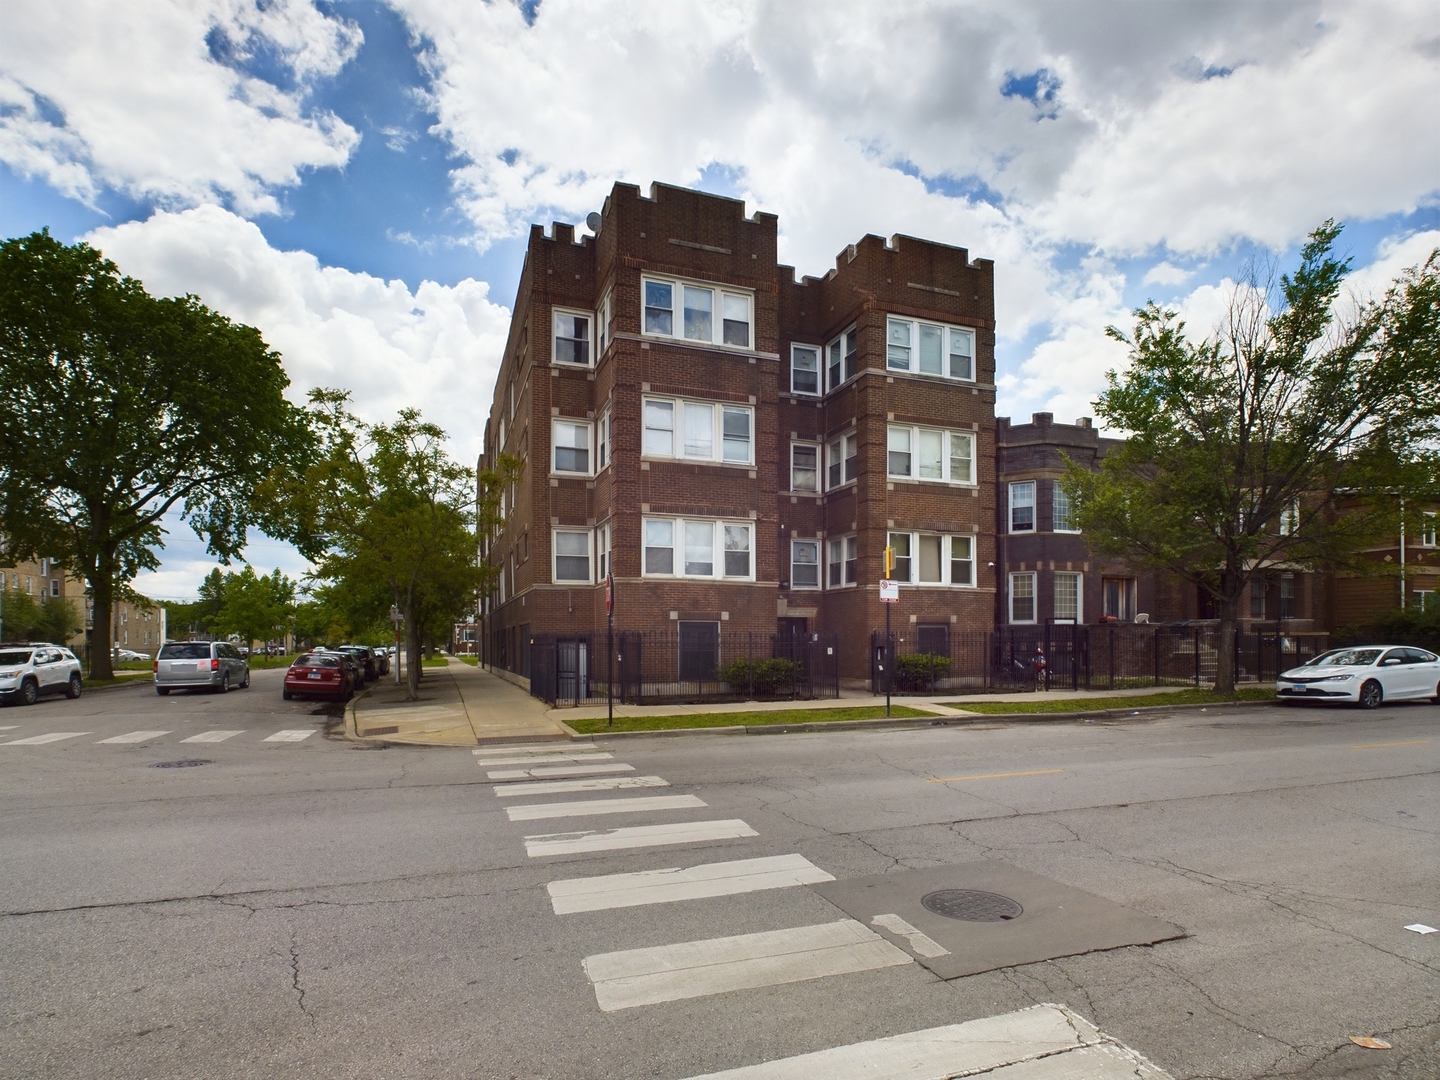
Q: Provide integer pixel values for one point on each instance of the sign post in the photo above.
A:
(609, 650)
(889, 594)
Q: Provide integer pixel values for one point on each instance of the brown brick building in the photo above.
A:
(734, 445)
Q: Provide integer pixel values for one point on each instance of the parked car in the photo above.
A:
(125, 656)
(1364, 675)
(319, 674)
(382, 661)
(199, 665)
(352, 663)
(366, 656)
(29, 672)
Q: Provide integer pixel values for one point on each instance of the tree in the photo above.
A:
(1292, 436)
(121, 407)
(50, 618)
(255, 607)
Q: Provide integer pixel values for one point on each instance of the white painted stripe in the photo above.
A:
(921, 943)
(290, 735)
(595, 783)
(693, 883)
(692, 969)
(8, 727)
(567, 770)
(134, 736)
(977, 1046)
(534, 748)
(542, 759)
(636, 836)
(590, 807)
(49, 737)
(214, 736)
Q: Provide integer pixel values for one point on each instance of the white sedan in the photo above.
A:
(1365, 675)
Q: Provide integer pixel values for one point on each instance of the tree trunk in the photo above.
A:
(102, 634)
(1225, 658)
(412, 659)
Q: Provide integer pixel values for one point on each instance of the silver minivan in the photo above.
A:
(196, 665)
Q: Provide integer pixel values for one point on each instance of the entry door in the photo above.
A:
(699, 651)
(572, 669)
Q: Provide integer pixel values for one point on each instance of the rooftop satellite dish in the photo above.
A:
(593, 221)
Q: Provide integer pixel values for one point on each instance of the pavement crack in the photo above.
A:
(295, 976)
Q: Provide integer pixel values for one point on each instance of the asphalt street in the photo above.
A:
(299, 905)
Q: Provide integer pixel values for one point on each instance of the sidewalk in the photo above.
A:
(459, 705)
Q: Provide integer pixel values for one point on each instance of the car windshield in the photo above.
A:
(1345, 658)
(14, 656)
(185, 650)
(314, 660)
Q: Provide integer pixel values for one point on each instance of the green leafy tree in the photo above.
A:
(48, 618)
(120, 407)
(256, 608)
(1291, 437)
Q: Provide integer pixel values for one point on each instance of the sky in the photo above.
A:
(357, 179)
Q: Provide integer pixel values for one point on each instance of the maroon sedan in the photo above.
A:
(318, 675)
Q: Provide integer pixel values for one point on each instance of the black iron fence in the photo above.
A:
(1064, 656)
(694, 663)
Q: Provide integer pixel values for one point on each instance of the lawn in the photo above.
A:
(1176, 697)
(748, 719)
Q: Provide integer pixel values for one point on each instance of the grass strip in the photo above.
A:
(734, 719)
(1174, 697)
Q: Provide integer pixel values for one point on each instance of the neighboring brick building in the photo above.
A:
(737, 446)
(136, 626)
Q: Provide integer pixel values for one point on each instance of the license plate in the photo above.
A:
(314, 674)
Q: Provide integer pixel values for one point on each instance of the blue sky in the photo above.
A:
(357, 178)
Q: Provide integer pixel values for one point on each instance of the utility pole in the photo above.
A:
(889, 595)
(610, 650)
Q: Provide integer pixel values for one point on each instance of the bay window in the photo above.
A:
(1022, 506)
(1062, 514)
(659, 438)
(1067, 597)
(917, 453)
(927, 348)
(1022, 598)
(602, 441)
(842, 460)
(843, 561)
(709, 314)
(933, 558)
(707, 548)
(602, 552)
(842, 359)
(708, 432)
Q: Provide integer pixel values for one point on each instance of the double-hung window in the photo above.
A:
(1022, 598)
(901, 547)
(698, 548)
(804, 467)
(842, 460)
(927, 348)
(570, 447)
(805, 369)
(709, 314)
(571, 337)
(918, 453)
(707, 431)
(1290, 518)
(843, 562)
(1062, 513)
(933, 559)
(1427, 530)
(605, 325)
(602, 441)
(572, 555)
(1067, 597)
(602, 552)
(1022, 507)
(804, 564)
(842, 359)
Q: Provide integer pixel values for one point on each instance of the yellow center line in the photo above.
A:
(992, 776)
(1372, 745)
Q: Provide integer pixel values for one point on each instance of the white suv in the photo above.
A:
(28, 672)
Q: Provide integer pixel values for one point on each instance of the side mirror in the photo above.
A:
(1390, 661)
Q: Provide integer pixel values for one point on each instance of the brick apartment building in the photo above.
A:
(736, 446)
(137, 626)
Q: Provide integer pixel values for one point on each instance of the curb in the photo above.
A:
(86, 688)
(352, 724)
(921, 722)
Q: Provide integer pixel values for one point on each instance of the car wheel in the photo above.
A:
(163, 691)
(1436, 699)
(285, 695)
(245, 683)
(1371, 695)
(29, 692)
(224, 687)
(74, 687)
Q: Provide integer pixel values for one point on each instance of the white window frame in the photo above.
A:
(946, 457)
(1034, 598)
(602, 441)
(842, 440)
(1057, 495)
(818, 547)
(909, 351)
(717, 432)
(604, 324)
(1079, 616)
(947, 558)
(556, 313)
(677, 547)
(849, 546)
(819, 465)
(846, 349)
(1427, 529)
(1424, 598)
(602, 552)
(1289, 523)
(1011, 505)
(719, 294)
(589, 427)
(819, 352)
(589, 535)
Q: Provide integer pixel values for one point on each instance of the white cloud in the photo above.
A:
(437, 349)
(1163, 273)
(151, 98)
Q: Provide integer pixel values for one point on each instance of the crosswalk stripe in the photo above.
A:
(290, 735)
(133, 737)
(590, 807)
(534, 748)
(214, 736)
(594, 783)
(693, 883)
(567, 770)
(539, 760)
(636, 836)
(1056, 1043)
(48, 737)
(9, 727)
(625, 980)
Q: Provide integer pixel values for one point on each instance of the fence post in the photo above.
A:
(1197, 656)
(1157, 656)
(1112, 657)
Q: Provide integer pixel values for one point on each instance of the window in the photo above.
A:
(602, 552)
(55, 587)
(804, 467)
(1022, 507)
(804, 369)
(842, 358)
(502, 433)
(1257, 598)
(699, 440)
(735, 434)
(844, 561)
(602, 441)
(659, 438)
(700, 319)
(900, 546)
(1427, 530)
(804, 564)
(933, 559)
(1116, 598)
(1287, 596)
(571, 447)
(929, 349)
(933, 640)
(1067, 597)
(842, 460)
(1290, 519)
(1022, 598)
(572, 338)
(708, 432)
(699, 555)
(1425, 599)
(1062, 518)
(916, 453)
(605, 330)
(962, 560)
(512, 400)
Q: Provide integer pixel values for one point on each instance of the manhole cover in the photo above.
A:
(188, 763)
(971, 905)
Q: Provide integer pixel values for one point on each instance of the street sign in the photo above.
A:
(395, 615)
(889, 591)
